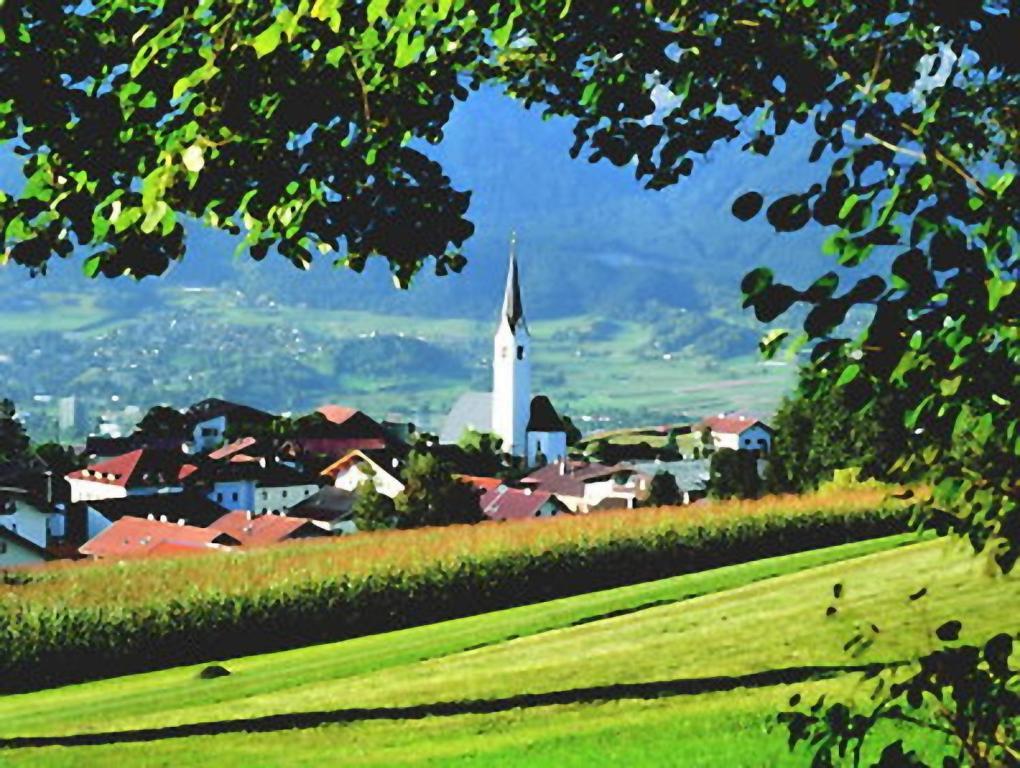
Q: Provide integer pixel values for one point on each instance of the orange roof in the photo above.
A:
(135, 536)
(235, 447)
(485, 483)
(145, 467)
(338, 414)
(264, 529)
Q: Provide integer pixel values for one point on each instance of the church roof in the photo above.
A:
(543, 416)
(513, 308)
(473, 410)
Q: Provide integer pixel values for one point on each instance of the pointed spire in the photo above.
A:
(513, 309)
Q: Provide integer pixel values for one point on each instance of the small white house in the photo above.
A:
(738, 433)
(380, 467)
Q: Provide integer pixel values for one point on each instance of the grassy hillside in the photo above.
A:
(678, 672)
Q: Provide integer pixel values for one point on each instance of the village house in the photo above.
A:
(738, 432)
(506, 503)
(261, 530)
(380, 467)
(16, 550)
(30, 517)
(28, 526)
(140, 472)
(331, 508)
(589, 486)
(138, 537)
(210, 420)
(192, 507)
(262, 486)
(338, 431)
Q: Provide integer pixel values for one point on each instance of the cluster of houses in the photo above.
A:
(226, 482)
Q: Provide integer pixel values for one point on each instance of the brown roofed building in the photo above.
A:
(506, 503)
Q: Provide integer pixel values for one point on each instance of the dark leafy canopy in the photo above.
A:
(291, 122)
(14, 452)
(823, 427)
(433, 496)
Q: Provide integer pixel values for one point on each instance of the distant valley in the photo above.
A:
(633, 296)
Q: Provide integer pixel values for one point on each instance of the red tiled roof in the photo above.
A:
(484, 483)
(145, 467)
(338, 414)
(232, 448)
(136, 537)
(732, 424)
(264, 529)
(512, 503)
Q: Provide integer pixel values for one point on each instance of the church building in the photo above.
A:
(529, 426)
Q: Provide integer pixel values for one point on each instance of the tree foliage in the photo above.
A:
(823, 428)
(162, 421)
(734, 474)
(663, 491)
(14, 452)
(433, 496)
(372, 510)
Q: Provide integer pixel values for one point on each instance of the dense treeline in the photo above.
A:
(83, 622)
(824, 427)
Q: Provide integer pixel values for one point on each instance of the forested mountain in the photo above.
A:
(592, 239)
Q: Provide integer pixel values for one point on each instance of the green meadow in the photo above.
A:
(683, 671)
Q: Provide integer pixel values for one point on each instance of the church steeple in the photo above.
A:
(513, 308)
(511, 366)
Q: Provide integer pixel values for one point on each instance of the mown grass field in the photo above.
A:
(675, 672)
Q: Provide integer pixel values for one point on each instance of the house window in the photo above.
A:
(219, 497)
(265, 495)
(284, 494)
(234, 495)
(3, 547)
(520, 352)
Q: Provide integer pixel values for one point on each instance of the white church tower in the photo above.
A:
(511, 366)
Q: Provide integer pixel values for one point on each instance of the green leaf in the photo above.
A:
(408, 49)
(848, 375)
(377, 9)
(92, 265)
(848, 205)
(267, 41)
